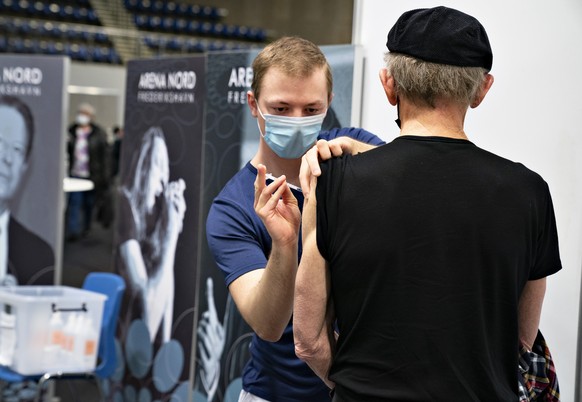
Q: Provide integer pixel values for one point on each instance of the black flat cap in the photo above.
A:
(441, 35)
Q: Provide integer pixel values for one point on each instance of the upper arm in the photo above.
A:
(312, 286)
(234, 241)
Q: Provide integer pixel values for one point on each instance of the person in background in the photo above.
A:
(25, 258)
(87, 150)
(253, 226)
(425, 260)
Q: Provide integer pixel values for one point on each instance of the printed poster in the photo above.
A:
(33, 93)
(157, 235)
(33, 102)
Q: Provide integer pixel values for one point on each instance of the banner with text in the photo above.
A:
(156, 240)
(33, 101)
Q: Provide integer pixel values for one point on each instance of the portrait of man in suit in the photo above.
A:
(25, 258)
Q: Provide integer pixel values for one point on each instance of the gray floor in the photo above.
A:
(88, 254)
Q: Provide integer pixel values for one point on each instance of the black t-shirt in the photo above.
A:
(430, 241)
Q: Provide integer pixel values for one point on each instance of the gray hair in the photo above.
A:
(424, 82)
(87, 108)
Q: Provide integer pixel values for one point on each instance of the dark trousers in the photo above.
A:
(80, 211)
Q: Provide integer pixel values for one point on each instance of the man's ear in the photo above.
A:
(389, 86)
(487, 83)
(252, 102)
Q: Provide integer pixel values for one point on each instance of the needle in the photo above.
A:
(271, 177)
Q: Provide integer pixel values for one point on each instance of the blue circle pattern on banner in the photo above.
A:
(120, 369)
(138, 349)
(145, 395)
(129, 394)
(168, 365)
(181, 393)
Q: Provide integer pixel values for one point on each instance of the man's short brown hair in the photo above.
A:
(296, 57)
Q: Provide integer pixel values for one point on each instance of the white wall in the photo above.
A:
(532, 115)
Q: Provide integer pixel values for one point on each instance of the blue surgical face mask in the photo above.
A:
(291, 137)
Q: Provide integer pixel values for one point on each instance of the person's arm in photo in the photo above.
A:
(211, 339)
(130, 252)
(313, 313)
(264, 297)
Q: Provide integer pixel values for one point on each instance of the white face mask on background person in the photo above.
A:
(291, 137)
(82, 119)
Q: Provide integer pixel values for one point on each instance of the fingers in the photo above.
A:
(267, 196)
(304, 176)
(181, 185)
(335, 148)
(321, 151)
(260, 182)
(175, 199)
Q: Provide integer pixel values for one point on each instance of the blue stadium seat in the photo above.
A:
(59, 30)
(183, 9)
(92, 16)
(97, 54)
(114, 57)
(78, 52)
(220, 30)
(175, 44)
(143, 5)
(100, 37)
(30, 45)
(53, 47)
(29, 27)
(154, 23)
(167, 24)
(36, 9)
(157, 7)
(206, 28)
(193, 27)
(258, 34)
(240, 32)
(20, 7)
(152, 42)
(195, 45)
(181, 25)
(85, 36)
(80, 14)
(47, 28)
(16, 45)
(210, 13)
(73, 33)
(216, 45)
(141, 21)
(130, 5)
(66, 12)
(53, 10)
(9, 26)
(170, 8)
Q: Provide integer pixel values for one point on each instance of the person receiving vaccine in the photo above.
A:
(253, 226)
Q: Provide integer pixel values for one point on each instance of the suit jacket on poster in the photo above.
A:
(31, 260)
